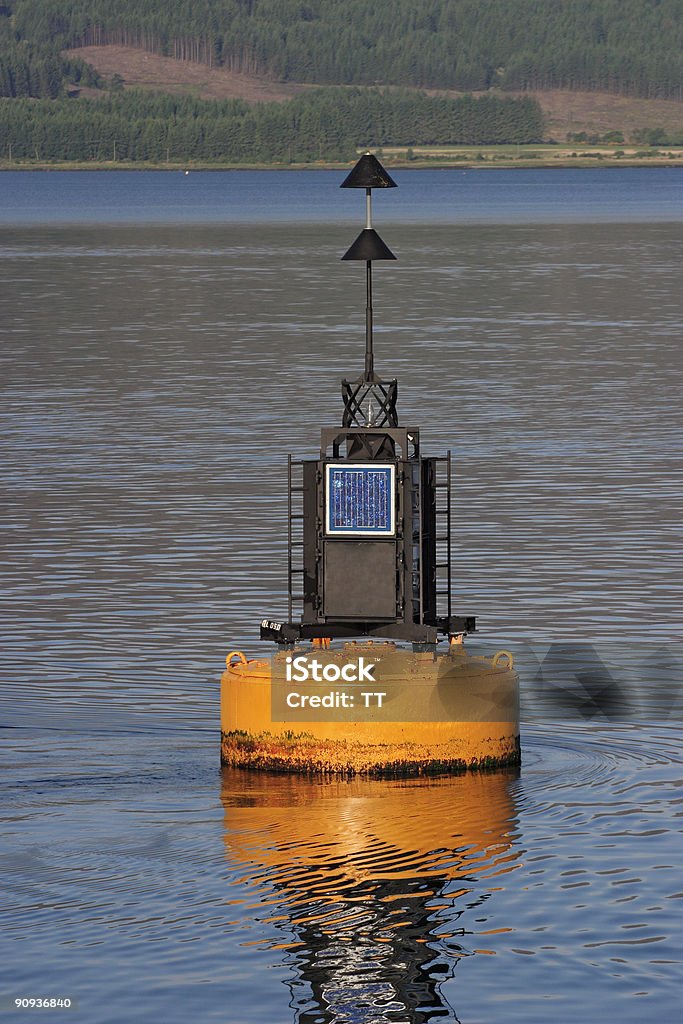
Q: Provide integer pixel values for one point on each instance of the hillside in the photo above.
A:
(565, 111)
(287, 81)
(625, 47)
(139, 69)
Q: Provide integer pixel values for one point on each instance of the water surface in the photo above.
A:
(452, 196)
(154, 379)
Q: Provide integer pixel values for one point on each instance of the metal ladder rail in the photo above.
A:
(420, 513)
(294, 544)
(443, 533)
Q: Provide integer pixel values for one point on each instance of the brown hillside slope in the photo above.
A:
(142, 70)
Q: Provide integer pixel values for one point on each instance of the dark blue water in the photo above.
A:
(480, 196)
(162, 347)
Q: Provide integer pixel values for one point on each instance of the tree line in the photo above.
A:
(323, 124)
(634, 47)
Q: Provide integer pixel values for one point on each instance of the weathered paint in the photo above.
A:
(250, 737)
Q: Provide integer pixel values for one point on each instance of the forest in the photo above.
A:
(321, 124)
(633, 47)
(347, 50)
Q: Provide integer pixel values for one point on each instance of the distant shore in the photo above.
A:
(436, 157)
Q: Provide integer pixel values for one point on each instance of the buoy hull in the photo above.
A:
(443, 713)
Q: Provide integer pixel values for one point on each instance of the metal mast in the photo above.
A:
(368, 174)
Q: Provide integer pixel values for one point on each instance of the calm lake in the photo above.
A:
(167, 339)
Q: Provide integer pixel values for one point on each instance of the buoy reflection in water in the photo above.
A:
(366, 881)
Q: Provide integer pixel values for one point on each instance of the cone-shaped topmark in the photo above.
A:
(369, 246)
(368, 173)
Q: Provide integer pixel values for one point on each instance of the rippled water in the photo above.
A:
(154, 380)
(143, 886)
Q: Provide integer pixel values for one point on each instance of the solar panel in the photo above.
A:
(360, 500)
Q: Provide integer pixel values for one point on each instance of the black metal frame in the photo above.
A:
(396, 587)
(423, 543)
(375, 443)
(289, 633)
(384, 392)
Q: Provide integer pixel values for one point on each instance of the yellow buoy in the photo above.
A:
(369, 540)
(409, 713)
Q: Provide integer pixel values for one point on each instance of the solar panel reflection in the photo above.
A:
(360, 500)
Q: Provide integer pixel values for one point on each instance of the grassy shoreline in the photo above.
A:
(418, 157)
